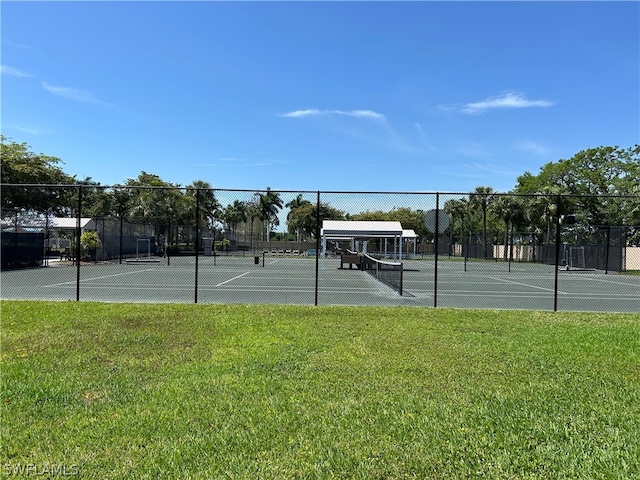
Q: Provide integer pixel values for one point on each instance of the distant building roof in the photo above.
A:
(70, 223)
(360, 229)
(52, 223)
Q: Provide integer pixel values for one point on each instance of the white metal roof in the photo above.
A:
(409, 234)
(53, 223)
(68, 223)
(360, 229)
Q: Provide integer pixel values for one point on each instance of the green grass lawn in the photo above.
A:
(233, 391)
(635, 273)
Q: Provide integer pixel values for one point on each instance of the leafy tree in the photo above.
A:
(155, 201)
(457, 209)
(96, 200)
(89, 241)
(19, 165)
(408, 218)
(297, 202)
(593, 176)
(305, 218)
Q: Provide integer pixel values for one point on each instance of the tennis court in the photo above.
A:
(282, 280)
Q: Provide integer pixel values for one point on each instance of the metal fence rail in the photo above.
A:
(175, 244)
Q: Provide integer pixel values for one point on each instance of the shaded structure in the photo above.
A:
(358, 233)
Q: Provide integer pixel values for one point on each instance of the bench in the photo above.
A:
(351, 260)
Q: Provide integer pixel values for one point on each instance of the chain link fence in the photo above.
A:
(462, 250)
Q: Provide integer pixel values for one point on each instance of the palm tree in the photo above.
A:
(209, 205)
(148, 200)
(252, 210)
(481, 198)
(293, 205)
(542, 213)
(269, 204)
(233, 215)
(457, 209)
(508, 210)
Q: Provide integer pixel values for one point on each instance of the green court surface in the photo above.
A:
(283, 280)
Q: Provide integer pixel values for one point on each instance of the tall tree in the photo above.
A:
(233, 215)
(209, 205)
(457, 209)
(269, 204)
(305, 218)
(480, 199)
(252, 209)
(508, 209)
(297, 202)
(155, 201)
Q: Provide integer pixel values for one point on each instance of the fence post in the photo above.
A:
(435, 246)
(120, 240)
(510, 246)
(557, 262)
(197, 243)
(78, 244)
(317, 248)
(606, 255)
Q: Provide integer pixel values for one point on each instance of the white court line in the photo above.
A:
(273, 261)
(526, 285)
(613, 281)
(100, 278)
(231, 279)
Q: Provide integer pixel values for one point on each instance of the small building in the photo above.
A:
(362, 231)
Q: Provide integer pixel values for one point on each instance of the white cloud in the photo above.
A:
(242, 162)
(301, 113)
(363, 114)
(23, 46)
(473, 149)
(424, 139)
(29, 130)
(72, 93)
(13, 72)
(507, 100)
(368, 114)
(533, 147)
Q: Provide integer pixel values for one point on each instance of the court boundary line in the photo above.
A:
(232, 279)
(524, 284)
(99, 278)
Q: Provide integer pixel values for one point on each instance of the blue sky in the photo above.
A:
(382, 96)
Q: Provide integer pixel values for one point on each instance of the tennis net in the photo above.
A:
(389, 273)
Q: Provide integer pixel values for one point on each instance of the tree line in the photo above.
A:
(596, 187)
